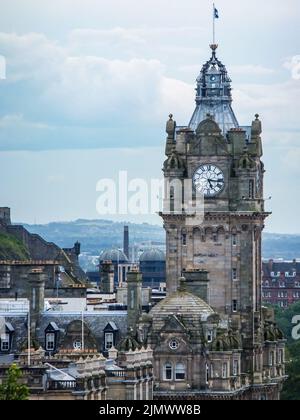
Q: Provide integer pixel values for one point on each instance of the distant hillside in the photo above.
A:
(11, 248)
(96, 235)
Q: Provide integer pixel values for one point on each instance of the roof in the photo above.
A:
(153, 254)
(188, 307)
(114, 255)
(214, 96)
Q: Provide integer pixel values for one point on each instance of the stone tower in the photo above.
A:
(222, 162)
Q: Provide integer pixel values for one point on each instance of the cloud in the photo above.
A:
(77, 94)
(293, 64)
(251, 70)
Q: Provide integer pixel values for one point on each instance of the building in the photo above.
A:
(120, 264)
(281, 282)
(64, 274)
(153, 267)
(211, 337)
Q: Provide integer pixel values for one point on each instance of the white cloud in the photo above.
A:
(293, 64)
(250, 69)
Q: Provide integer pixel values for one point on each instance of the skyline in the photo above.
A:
(85, 98)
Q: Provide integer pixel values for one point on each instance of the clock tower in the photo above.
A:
(222, 161)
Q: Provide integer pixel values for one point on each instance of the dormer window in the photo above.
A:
(6, 338)
(5, 342)
(110, 336)
(51, 337)
(209, 336)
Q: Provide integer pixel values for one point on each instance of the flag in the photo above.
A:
(216, 13)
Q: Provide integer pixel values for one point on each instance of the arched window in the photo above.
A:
(168, 372)
(180, 372)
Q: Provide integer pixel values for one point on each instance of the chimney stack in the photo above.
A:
(107, 271)
(126, 241)
(134, 299)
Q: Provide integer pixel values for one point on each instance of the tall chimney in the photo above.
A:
(126, 241)
(107, 277)
(134, 299)
(36, 282)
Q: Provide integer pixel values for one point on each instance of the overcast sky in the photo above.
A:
(90, 83)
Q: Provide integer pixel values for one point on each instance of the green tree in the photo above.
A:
(11, 389)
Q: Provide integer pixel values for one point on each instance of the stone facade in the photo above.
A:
(216, 244)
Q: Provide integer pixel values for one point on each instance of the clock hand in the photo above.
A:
(215, 180)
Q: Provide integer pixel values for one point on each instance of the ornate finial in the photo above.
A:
(171, 116)
(214, 47)
(257, 116)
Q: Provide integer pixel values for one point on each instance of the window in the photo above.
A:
(184, 242)
(224, 370)
(180, 372)
(234, 306)
(282, 284)
(5, 342)
(109, 341)
(77, 345)
(50, 341)
(173, 344)
(267, 283)
(280, 357)
(235, 368)
(211, 370)
(207, 374)
(234, 274)
(168, 372)
(209, 336)
(271, 358)
(234, 239)
(251, 189)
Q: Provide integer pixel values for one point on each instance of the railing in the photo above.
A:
(62, 385)
(115, 373)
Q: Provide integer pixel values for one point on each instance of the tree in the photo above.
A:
(11, 389)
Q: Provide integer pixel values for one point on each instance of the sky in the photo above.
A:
(90, 84)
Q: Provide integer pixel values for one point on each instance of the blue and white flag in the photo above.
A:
(216, 13)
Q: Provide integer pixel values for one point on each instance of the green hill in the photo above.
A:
(11, 248)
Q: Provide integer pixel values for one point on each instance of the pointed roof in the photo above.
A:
(214, 95)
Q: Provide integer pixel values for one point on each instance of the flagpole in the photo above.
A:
(214, 23)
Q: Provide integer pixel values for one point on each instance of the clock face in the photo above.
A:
(209, 180)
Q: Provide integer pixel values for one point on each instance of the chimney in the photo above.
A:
(107, 271)
(134, 299)
(37, 280)
(270, 265)
(197, 283)
(77, 247)
(126, 241)
(5, 216)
